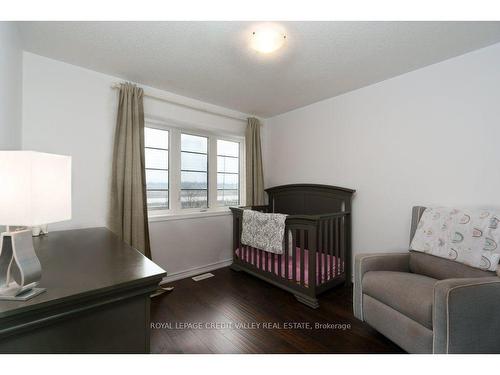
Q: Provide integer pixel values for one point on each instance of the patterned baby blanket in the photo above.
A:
(263, 231)
(466, 236)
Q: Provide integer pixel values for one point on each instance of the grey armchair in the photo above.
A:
(427, 304)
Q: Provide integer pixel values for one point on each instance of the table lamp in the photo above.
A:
(35, 189)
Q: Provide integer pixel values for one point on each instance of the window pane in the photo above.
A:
(157, 199)
(227, 181)
(156, 179)
(193, 143)
(157, 159)
(227, 148)
(225, 164)
(194, 199)
(155, 138)
(193, 180)
(194, 162)
(220, 196)
(228, 197)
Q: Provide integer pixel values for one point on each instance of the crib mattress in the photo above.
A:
(329, 264)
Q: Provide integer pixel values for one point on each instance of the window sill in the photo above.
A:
(189, 215)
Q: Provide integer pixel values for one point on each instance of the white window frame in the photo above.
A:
(158, 210)
(175, 211)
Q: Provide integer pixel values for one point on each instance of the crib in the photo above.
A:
(318, 257)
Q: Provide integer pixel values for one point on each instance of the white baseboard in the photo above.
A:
(196, 271)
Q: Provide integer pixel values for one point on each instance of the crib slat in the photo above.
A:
(302, 235)
(319, 251)
(280, 256)
(287, 252)
(330, 249)
(262, 260)
(294, 255)
(321, 258)
(337, 250)
(237, 237)
(324, 255)
(342, 242)
(322, 250)
(327, 250)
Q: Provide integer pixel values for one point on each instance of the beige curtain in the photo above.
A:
(254, 172)
(128, 216)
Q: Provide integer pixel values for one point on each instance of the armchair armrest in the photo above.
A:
(375, 262)
(466, 315)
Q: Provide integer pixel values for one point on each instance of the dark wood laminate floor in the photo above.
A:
(203, 317)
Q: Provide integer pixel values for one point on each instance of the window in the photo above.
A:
(228, 173)
(156, 155)
(194, 171)
(190, 171)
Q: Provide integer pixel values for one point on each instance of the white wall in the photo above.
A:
(427, 137)
(10, 87)
(70, 110)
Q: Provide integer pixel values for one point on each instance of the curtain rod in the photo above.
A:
(117, 86)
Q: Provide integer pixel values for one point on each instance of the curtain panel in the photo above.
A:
(254, 172)
(128, 214)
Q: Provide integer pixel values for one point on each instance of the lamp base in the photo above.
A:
(20, 269)
(24, 295)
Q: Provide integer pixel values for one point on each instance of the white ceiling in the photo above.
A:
(211, 61)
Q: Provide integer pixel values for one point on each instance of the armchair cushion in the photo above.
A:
(374, 262)
(409, 293)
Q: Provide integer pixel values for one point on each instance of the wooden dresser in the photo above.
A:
(97, 298)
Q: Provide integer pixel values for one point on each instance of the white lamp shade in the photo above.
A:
(35, 188)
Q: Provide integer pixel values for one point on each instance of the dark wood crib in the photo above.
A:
(318, 257)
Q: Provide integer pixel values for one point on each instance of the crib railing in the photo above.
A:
(332, 241)
(315, 252)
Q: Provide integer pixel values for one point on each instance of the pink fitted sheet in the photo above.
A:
(329, 264)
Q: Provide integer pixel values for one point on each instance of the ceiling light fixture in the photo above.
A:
(267, 38)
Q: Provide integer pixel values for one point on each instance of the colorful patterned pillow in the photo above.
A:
(471, 237)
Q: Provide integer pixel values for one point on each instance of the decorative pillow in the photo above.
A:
(466, 236)
(263, 231)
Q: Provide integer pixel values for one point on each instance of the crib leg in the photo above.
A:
(235, 267)
(308, 301)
